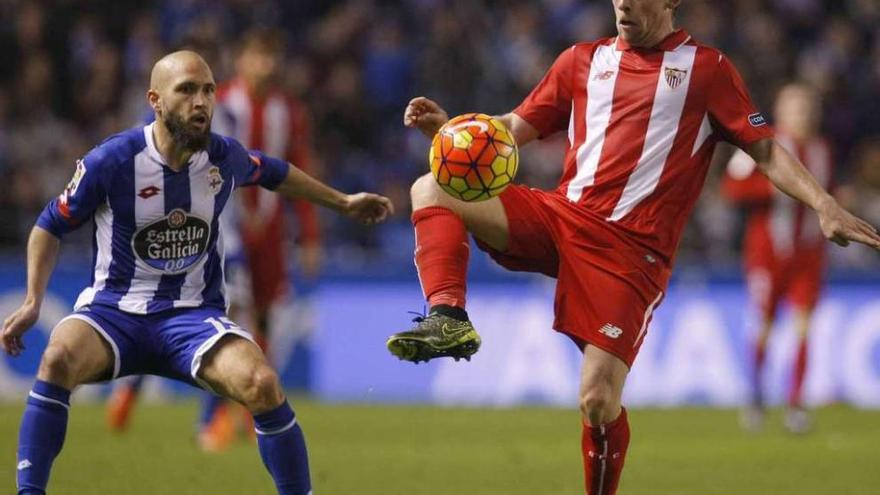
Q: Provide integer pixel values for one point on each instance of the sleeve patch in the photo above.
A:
(757, 120)
(78, 175)
(70, 189)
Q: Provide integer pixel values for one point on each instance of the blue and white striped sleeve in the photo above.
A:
(80, 198)
(253, 167)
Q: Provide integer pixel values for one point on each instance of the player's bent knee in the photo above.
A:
(264, 392)
(425, 192)
(597, 405)
(58, 366)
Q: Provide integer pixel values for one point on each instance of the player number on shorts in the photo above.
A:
(223, 324)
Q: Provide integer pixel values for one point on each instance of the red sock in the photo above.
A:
(800, 371)
(604, 450)
(441, 255)
(757, 384)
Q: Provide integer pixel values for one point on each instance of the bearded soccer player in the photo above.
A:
(643, 111)
(253, 109)
(784, 250)
(156, 304)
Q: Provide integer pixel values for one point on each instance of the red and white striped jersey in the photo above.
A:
(779, 226)
(642, 126)
(275, 122)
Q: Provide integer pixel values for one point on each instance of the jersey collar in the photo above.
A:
(152, 151)
(669, 44)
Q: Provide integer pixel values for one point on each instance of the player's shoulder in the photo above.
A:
(221, 148)
(579, 53)
(118, 148)
(708, 53)
(589, 47)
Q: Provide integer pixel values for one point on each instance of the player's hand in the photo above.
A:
(841, 227)
(16, 325)
(368, 208)
(425, 115)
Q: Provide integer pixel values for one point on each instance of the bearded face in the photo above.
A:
(191, 134)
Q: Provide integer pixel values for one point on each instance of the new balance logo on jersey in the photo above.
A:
(674, 77)
(603, 76)
(611, 330)
(24, 465)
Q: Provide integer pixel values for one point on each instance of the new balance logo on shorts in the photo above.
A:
(611, 330)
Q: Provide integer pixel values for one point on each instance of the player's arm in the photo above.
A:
(368, 208)
(65, 213)
(789, 175)
(42, 252)
(523, 132)
(428, 116)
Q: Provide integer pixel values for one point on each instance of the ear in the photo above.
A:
(153, 99)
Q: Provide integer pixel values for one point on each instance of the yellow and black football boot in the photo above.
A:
(435, 335)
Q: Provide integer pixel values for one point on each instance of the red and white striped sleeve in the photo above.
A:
(548, 106)
(731, 108)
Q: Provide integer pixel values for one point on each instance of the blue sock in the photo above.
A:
(210, 403)
(283, 449)
(41, 437)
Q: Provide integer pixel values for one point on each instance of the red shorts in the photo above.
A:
(607, 288)
(797, 278)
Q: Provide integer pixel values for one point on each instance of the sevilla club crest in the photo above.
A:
(674, 77)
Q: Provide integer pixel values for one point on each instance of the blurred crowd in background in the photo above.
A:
(74, 72)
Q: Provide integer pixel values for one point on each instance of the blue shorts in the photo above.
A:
(170, 344)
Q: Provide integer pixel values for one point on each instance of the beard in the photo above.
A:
(186, 136)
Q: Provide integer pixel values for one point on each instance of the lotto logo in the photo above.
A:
(148, 192)
(24, 465)
(611, 330)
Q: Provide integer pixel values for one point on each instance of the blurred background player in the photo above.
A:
(784, 250)
(253, 108)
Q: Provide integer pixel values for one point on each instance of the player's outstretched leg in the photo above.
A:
(121, 403)
(796, 418)
(752, 417)
(75, 355)
(605, 436)
(238, 369)
(215, 427)
(442, 249)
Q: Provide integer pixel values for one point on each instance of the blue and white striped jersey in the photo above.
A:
(157, 239)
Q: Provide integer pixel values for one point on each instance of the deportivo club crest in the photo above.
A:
(215, 180)
(674, 77)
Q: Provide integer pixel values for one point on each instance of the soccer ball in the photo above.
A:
(473, 157)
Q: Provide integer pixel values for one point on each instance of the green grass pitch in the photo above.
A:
(393, 450)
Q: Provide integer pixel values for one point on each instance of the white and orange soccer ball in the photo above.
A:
(474, 157)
